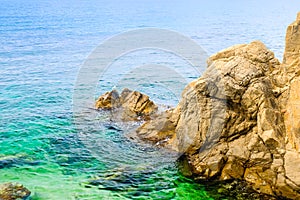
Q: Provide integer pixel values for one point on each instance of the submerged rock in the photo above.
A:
(14, 160)
(240, 120)
(238, 190)
(128, 106)
(13, 191)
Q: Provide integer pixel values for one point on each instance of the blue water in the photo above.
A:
(43, 44)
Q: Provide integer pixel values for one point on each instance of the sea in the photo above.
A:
(45, 44)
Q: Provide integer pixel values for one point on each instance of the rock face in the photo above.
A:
(292, 47)
(13, 191)
(240, 120)
(130, 105)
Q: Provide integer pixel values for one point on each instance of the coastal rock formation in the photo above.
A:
(240, 120)
(292, 47)
(291, 65)
(127, 106)
(292, 114)
(13, 191)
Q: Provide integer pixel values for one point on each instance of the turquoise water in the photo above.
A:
(43, 45)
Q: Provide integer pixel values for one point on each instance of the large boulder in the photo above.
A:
(13, 191)
(240, 120)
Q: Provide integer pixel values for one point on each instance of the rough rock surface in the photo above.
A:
(13, 191)
(129, 105)
(240, 120)
(292, 47)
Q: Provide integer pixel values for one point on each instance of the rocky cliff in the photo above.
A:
(241, 119)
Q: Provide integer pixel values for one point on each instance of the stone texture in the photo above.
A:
(292, 114)
(240, 120)
(13, 191)
(108, 100)
(160, 131)
(127, 106)
(292, 46)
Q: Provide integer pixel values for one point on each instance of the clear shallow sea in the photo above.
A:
(42, 47)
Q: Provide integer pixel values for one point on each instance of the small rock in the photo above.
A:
(108, 100)
(129, 106)
(13, 191)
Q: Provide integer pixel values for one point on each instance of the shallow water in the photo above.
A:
(42, 47)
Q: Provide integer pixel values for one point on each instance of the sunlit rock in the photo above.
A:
(240, 120)
(13, 191)
(127, 106)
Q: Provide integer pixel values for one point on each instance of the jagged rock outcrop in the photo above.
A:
(128, 106)
(13, 191)
(291, 66)
(292, 46)
(240, 120)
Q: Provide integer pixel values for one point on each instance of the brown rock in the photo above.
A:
(292, 168)
(283, 189)
(240, 120)
(13, 191)
(159, 131)
(292, 114)
(108, 100)
(292, 44)
(233, 168)
(136, 105)
(130, 105)
(291, 59)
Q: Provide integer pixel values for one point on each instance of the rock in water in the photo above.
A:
(13, 191)
(240, 120)
(13, 160)
(130, 105)
(108, 100)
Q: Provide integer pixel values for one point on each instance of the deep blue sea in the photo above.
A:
(43, 45)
